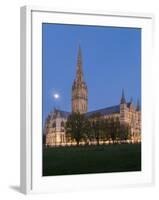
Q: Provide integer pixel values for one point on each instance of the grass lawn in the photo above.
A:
(91, 159)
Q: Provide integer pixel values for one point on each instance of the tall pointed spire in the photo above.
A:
(79, 72)
(79, 88)
(123, 97)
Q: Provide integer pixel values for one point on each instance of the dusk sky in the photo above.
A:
(111, 61)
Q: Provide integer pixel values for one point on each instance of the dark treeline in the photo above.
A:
(95, 128)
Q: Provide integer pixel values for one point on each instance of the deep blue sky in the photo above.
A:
(111, 61)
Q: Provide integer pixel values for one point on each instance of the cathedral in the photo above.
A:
(54, 127)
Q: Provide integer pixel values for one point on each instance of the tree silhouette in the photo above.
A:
(96, 122)
(95, 128)
(76, 127)
(124, 132)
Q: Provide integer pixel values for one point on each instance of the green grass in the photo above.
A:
(91, 159)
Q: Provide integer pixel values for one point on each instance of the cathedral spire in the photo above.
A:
(79, 88)
(123, 97)
(79, 72)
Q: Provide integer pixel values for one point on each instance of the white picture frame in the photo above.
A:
(31, 102)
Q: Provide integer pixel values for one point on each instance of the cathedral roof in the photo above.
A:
(62, 113)
(105, 111)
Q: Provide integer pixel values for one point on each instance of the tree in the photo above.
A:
(117, 129)
(76, 126)
(112, 129)
(124, 132)
(87, 133)
(106, 134)
(95, 120)
(103, 130)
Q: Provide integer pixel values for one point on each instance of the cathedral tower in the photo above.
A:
(79, 89)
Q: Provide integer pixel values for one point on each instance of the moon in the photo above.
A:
(56, 96)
